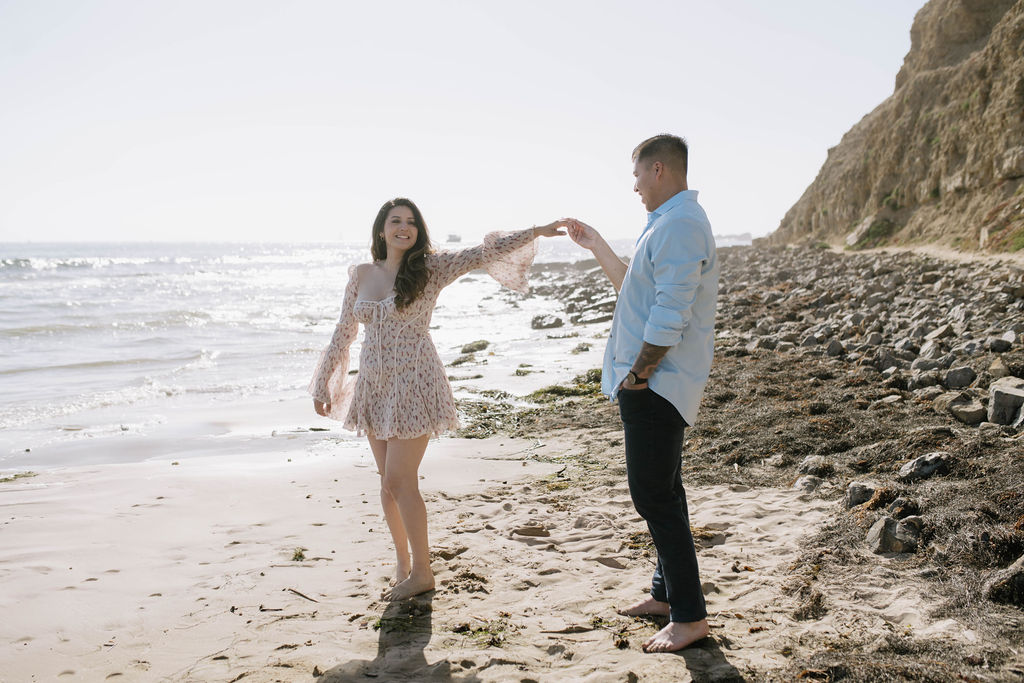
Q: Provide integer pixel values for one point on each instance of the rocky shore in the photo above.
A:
(891, 386)
(855, 483)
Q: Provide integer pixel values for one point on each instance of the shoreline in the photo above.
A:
(533, 535)
(517, 357)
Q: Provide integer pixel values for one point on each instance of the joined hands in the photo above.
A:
(551, 229)
(582, 234)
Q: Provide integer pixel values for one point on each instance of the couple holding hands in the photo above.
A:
(656, 364)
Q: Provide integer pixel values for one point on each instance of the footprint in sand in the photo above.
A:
(534, 530)
(448, 554)
(707, 537)
(594, 519)
(612, 562)
(466, 582)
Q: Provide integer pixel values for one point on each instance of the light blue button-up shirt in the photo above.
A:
(668, 298)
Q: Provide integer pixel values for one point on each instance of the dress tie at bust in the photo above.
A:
(380, 314)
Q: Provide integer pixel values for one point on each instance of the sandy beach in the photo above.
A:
(265, 559)
(188, 570)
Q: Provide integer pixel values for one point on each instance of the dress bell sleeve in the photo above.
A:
(331, 383)
(507, 256)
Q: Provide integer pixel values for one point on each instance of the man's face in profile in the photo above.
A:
(646, 173)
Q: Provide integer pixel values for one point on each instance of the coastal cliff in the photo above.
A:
(941, 161)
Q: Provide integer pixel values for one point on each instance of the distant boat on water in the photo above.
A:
(452, 237)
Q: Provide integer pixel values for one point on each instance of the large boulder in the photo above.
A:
(888, 535)
(970, 411)
(1005, 398)
(998, 368)
(858, 492)
(1002, 342)
(545, 322)
(962, 406)
(924, 466)
(808, 483)
(959, 378)
(817, 465)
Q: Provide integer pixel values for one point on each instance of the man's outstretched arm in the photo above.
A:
(588, 238)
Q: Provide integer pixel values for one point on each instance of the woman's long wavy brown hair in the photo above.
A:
(412, 273)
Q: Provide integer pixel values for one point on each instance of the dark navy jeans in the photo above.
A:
(654, 449)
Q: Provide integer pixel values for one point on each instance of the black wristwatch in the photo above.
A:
(635, 379)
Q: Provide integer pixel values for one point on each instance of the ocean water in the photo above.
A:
(102, 345)
(97, 339)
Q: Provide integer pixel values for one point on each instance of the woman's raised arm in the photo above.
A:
(506, 256)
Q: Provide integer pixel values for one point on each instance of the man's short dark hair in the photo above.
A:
(669, 149)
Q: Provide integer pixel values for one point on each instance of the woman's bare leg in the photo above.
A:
(401, 480)
(391, 514)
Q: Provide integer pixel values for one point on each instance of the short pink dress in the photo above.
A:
(401, 390)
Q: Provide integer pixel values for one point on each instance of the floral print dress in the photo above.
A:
(401, 390)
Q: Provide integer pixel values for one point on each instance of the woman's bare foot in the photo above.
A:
(414, 585)
(402, 572)
(677, 635)
(646, 607)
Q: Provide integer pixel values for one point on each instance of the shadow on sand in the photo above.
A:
(404, 631)
(706, 662)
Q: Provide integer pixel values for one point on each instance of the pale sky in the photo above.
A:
(245, 120)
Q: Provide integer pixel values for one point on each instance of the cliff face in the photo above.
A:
(942, 160)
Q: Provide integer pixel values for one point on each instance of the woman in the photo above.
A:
(401, 396)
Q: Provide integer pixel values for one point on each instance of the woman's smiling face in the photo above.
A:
(400, 230)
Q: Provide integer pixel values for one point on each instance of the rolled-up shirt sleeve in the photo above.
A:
(678, 264)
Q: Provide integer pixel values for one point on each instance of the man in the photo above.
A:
(657, 363)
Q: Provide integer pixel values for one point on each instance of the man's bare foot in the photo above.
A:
(646, 607)
(414, 585)
(677, 635)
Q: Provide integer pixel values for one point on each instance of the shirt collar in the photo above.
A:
(674, 201)
(666, 206)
